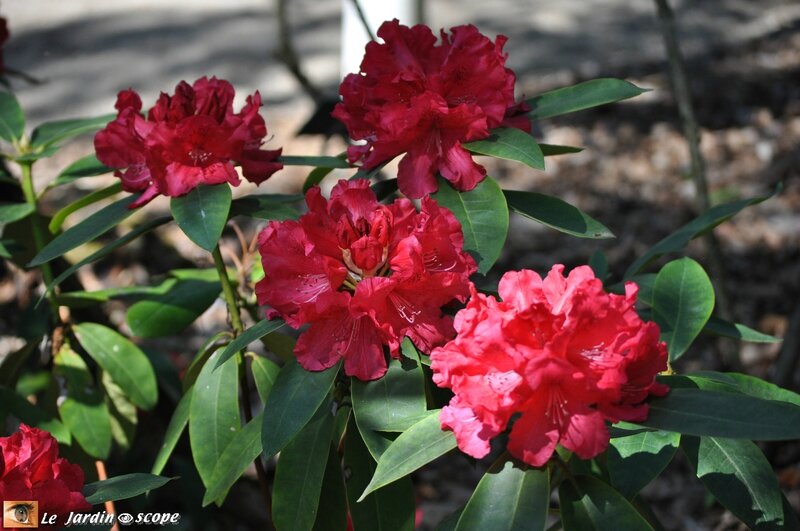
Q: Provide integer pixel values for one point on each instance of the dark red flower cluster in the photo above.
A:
(30, 470)
(561, 352)
(187, 139)
(363, 275)
(416, 97)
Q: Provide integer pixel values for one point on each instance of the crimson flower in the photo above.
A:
(363, 275)
(561, 352)
(190, 138)
(416, 97)
(30, 470)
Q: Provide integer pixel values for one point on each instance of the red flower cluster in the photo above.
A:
(188, 139)
(424, 100)
(363, 275)
(562, 352)
(30, 470)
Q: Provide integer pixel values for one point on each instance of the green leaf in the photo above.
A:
(122, 487)
(239, 454)
(332, 510)
(51, 133)
(722, 414)
(384, 189)
(637, 459)
(318, 162)
(549, 150)
(510, 497)
(738, 331)
(699, 225)
(267, 206)
(178, 422)
(98, 195)
(483, 215)
(746, 384)
(127, 365)
(295, 396)
(298, 476)
(315, 177)
(588, 503)
(419, 445)
(87, 166)
(581, 96)
(254, 333)
(90, 228)
(82, 409)
(683, 299)
(556, 214)
(123, 415)
(265, 372)
(170, 313)
(209, 347)
(213, 415)
(11, 212)
(12, 119)
(202, 213)
(391, 508)
(740, 478)
(32, 415)
(510, 144)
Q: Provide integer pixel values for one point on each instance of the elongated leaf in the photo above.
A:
(510, 144)
(483, 215)
(510, 497)
(32, 415)
(721, 414)
(202, 213)
(738, 331)
(588, 503)
(739, 477)
(581, 96)
(127, 365)
(265, 372)
(11, 212)
(419, 445)
(699, 225)
(51, 133)
(90, 228)
(549, 150)
(318, 162)
(98, 195)
(556, 214)
(213, 415)
(746, 384)
(170, 313)
(267, 206)
(683, 299)
(295, 396)
(123, 415)
(332, 511)
(636, 460)
(298, 477)
(315, 177)
(87, 166)
(12, 120)
(254, 333)
(178, 422)
(122, 487)
(239, 454)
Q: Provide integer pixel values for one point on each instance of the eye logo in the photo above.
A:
(20, 514)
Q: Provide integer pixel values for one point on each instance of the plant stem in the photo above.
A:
(229, 295)
(363, 18)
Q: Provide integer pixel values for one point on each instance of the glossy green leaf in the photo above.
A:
(122, 413)
(127, 365)
(299, 474)
(51, 133)
(723, 414)
(209, 347)
(746, 384)
(295, 396)
(509, 144)
(556, 214)
(122, 487)
(265, 372)
(581, 96)
(254, 333)
(178, 422)
(738, 331)
(239, 454)
(419, 445)
(740, 478)
(332, 510)
(550, 150)
(32, 415)
(11, 212)
(683, 299)
(392, 508)
(12, 119)
(90, 228)
(317, 162)
(170, 313)
(511, 496)
(98, 195)
(213, 415)
(483, 215)
(87, 166)
(267, 206)
(589, 503)
(637, 459)
(202, 213)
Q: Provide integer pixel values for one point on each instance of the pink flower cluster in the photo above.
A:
(190, 138)
(363, 275)
(416, 97)
(561, 352)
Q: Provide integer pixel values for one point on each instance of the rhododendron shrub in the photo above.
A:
(363, 275)
(559, 351)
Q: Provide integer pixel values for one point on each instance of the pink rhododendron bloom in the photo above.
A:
(363, 275)
(190, 138)
(561, 352)
(416, 97)
(30, 470)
